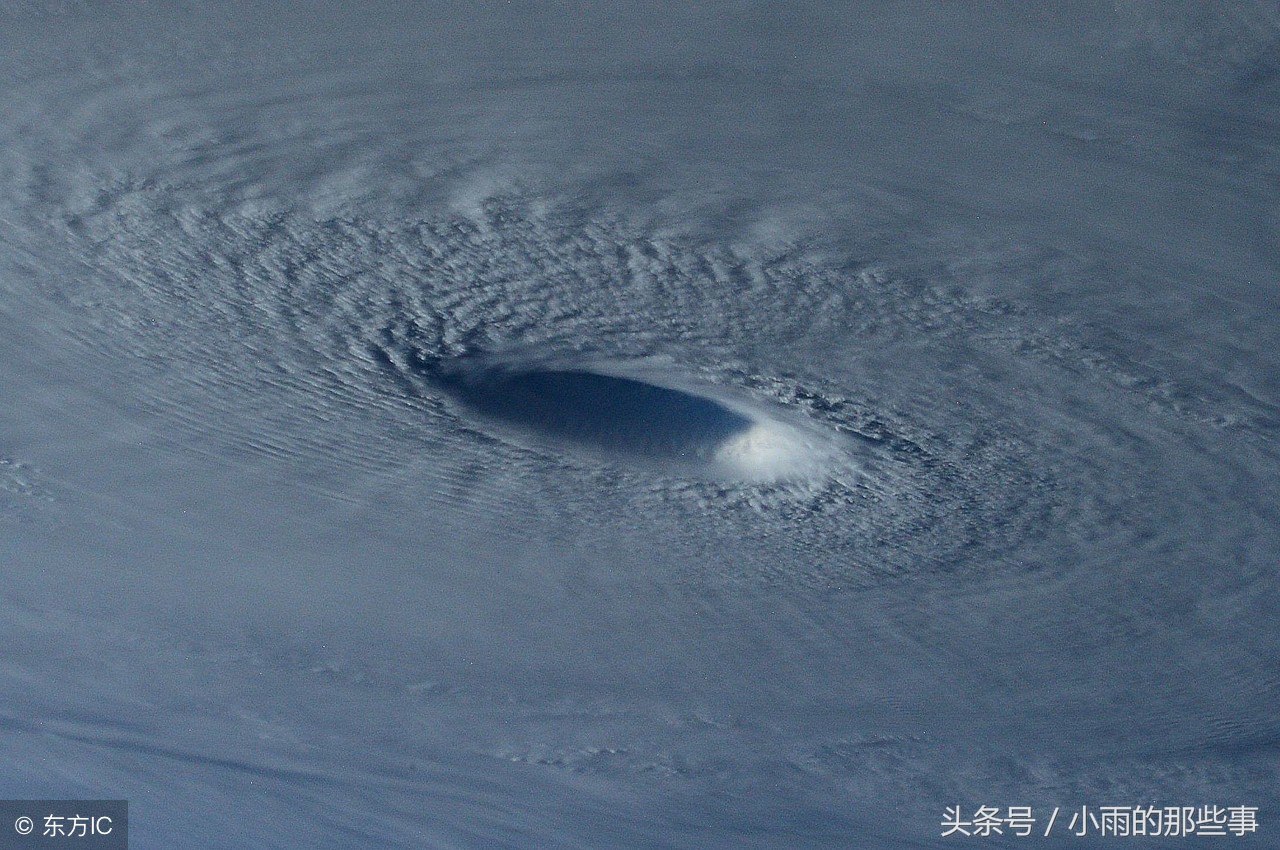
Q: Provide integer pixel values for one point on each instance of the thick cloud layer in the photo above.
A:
(531, 425)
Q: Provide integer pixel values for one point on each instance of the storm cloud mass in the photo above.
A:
(637, 425)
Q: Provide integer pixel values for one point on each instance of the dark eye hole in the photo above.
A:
(599, 410)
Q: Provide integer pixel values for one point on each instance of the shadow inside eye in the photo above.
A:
(603, 411)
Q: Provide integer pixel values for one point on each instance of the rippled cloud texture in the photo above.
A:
(630, 425)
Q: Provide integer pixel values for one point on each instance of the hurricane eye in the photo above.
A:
(621, 416)
(601, 410)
